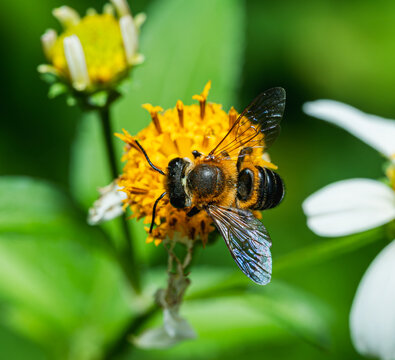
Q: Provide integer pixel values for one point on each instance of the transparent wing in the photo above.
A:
(247, 240)
(257, 126)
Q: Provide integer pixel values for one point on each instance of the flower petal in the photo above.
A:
(176, 326)
(140, 19)
(48, 40)
(67, 16)
(75, 58)
(129, 37)
(372, 317)
(108, 206)
(377, 132)
(121, 6)
(174, 330)
(349, 206)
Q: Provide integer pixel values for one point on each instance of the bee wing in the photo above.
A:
(247, 240)
(257, 126)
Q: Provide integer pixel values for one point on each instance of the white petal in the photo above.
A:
(91, 11)
(48, 40)
(47, 69)
(67, 16)
(139, 19)
(108, 206)
(108, 9)
(174, 330)
(377, 132)
(129, 37)
(137, 59)
(372, 317)
(156, 338)
(122, 7)
(349, 206)
(176, 326)
(75, 58)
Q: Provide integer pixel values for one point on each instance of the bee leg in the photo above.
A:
(196, 154)
(193, 211)
(243, 152)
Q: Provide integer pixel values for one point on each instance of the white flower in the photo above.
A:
(174, 329)
(375, 131)
(108, 206)
(355, 205)
(372, 318)
(349, 206)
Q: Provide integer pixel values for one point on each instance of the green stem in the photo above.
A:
(126, 255)
(327, 249)
(123, 344)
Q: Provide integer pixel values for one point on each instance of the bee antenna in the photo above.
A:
(154, 211)
(149, 161)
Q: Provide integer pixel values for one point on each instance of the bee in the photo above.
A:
(227, 184)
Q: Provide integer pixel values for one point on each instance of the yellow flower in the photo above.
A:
(94, 52)
(173, 133)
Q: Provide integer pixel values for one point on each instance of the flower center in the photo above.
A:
(101, 40)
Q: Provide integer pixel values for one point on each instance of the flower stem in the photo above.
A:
(126, 254)
(122, 344)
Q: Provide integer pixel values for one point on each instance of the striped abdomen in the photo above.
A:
(259, 188)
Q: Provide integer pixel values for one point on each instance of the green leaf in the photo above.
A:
(253, 316)
(328, 249)
(186, 43)
(59, 283)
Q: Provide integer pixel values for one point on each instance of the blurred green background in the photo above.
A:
(62, 296)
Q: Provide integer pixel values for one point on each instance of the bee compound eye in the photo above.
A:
(175, 187)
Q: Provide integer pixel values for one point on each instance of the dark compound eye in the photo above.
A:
(177, 195)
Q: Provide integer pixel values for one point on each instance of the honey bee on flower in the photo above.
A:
(217, 173)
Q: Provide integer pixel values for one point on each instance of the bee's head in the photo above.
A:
(176, 182)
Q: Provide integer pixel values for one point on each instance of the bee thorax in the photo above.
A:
(206, 180)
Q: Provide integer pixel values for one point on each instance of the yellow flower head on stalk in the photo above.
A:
(95, 52)
(174, 133)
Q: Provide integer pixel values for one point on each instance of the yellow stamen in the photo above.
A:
(180, 110)
(153, 110)
(232, 116)
(202, 98)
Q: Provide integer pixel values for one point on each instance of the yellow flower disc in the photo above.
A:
(174, 133)
(101, 40)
